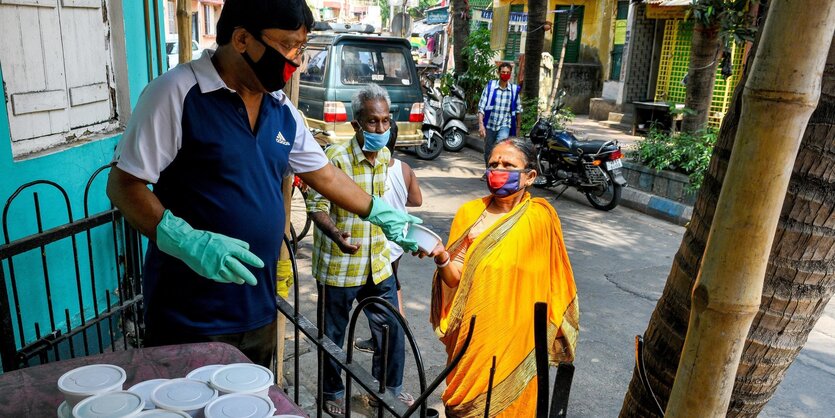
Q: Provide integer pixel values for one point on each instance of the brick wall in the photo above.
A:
(642, 67)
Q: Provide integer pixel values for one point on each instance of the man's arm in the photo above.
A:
(137, 203)
(414, 197)
(326, 225)
(337, 187)
(482, 103)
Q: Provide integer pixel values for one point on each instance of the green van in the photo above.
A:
(336, 65)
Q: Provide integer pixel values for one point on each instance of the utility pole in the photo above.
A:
(184, 29)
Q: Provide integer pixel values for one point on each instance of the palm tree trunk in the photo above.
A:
(779, 98)
(664, 336)
(533, 47)
(460, 15)
(801, 278)
(701, 76)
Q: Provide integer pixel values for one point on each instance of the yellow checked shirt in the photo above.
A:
(330, 265)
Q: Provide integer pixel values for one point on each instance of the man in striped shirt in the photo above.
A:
(351, 256)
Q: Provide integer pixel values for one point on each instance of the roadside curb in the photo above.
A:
(655, 206)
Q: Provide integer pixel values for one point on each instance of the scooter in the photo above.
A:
(432, 124)
(592, 167)
(454, 111)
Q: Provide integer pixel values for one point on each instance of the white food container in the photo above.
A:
(204, 374)
(162, 413)
(119, 404)
(144, 390)
(64, 410)
(243, 378)
(186, 395)
(83, 382)
(426, 239)
(240, 405)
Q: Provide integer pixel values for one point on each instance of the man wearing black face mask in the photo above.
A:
(216, 139)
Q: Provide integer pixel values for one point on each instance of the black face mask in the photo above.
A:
(273, 69)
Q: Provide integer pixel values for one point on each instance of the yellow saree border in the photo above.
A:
(507, 391)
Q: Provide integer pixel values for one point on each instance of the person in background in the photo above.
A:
(214, 218)
(498, 110)
(351, 256)
(505, 253)
(402, 191)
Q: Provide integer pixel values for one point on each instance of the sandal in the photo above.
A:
(404, 397)
(335, 408)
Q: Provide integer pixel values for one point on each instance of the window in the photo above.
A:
(172, 18)
(575, 33)
(313, 65)
(58, 66)
(208, 19)
(384, 65)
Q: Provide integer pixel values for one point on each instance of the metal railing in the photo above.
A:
(96, 318)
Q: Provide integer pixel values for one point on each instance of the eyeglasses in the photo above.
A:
(291, 51)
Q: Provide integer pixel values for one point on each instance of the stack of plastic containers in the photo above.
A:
(213, 391)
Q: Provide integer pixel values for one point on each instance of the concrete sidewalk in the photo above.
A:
(587, 129)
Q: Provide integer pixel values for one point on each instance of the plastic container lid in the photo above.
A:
(183, 395)
(162, 413)
(240, 405)
(92, 380)
(144, 390)
(204, 374)
(64, 410)
(242, 378)
(120, 404)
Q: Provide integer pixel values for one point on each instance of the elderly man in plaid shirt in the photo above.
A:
(351, 256)
(499, 109)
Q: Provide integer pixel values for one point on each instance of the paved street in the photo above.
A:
(620, 261)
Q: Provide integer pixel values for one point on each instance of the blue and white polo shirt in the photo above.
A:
(190, 136)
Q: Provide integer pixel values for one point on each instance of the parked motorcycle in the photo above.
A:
(454, 110)
(592, 167)
(432, 123)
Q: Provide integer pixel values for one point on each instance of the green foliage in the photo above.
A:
(530, 113)
(447, 80)
(419, 12)
(480, 67)
(385, 11)
(687, 153)
(732, 19)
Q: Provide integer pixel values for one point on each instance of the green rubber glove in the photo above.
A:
(211, 255)
(393, 222)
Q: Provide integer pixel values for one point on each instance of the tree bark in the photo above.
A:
(787, 277)
(704, 52)
(801, 278)
(460, 33)
(533, 47)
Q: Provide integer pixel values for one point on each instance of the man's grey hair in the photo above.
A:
(371, 92)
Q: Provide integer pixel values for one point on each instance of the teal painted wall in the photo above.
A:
(70, 168)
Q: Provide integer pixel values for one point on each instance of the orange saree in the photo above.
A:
(516, 262)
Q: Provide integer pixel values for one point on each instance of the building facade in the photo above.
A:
(71, 72)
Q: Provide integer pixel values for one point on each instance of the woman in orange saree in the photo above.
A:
(505, 253)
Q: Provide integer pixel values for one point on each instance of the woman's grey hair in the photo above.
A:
(370, 92)
(524, 146)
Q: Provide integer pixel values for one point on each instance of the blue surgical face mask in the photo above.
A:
(374, 142)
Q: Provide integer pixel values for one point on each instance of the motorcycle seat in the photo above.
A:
(590, 147)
